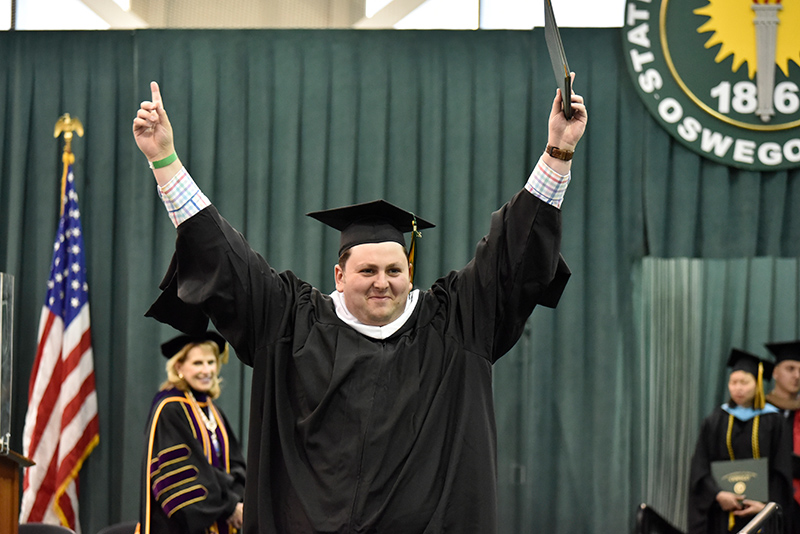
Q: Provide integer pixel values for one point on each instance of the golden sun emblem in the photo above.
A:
(761, 33)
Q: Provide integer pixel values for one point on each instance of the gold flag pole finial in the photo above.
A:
(66, 125)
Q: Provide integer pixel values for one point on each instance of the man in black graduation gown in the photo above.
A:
(371, 407)
(786, 396)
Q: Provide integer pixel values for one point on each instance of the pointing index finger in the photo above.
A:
(156, 95)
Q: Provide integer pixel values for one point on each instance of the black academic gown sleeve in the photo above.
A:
(182, 492)
(353, 434)
(515, 265)
(794, 507)
(705, 516)
(218, 269)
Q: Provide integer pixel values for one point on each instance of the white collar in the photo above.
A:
(375, 332)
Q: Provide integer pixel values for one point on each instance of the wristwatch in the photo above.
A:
(559, 153)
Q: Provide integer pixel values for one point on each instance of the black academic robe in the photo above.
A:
(705, 514)
(350, 434)
(187, 488)
(794, 507)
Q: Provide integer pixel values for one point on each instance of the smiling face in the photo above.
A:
(742, 387)
(199, 368)
(375, 282)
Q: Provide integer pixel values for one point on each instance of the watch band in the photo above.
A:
(559, 153)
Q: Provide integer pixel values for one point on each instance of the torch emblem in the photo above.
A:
(766, 22)
(757, 33)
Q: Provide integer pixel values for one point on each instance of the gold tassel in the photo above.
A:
(728, 437)
(731, 520)
(754, 438)
(412, 250)
(760, 401)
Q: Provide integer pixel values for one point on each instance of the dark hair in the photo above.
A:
(344, 257)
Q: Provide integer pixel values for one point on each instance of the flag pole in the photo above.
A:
(66, 125)
(61, 424)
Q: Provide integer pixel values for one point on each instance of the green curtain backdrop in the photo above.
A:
(693, 311)
(275, 123)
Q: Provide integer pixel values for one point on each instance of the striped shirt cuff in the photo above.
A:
(182, 197)
(547, 185)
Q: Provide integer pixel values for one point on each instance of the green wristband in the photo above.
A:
(163, 162)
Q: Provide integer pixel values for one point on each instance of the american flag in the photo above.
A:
(61, 426)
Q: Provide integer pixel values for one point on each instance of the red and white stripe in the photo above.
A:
(61, 426)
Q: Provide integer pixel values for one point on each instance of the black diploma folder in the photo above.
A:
(558, 58)
(743, 477)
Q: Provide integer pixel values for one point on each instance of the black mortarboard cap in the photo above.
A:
(370, 222)
(740, 360)
(785, 350)
(173, 346)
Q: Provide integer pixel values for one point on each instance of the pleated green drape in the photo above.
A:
(275, 123)
(693, 311)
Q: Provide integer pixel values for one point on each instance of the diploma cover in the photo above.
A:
(743, 477)
(558, 58)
